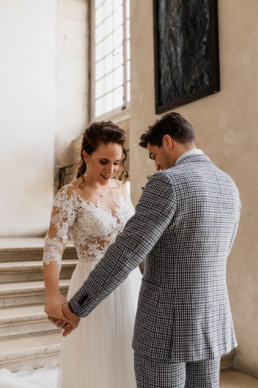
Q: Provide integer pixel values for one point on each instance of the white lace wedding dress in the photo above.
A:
(98, 354)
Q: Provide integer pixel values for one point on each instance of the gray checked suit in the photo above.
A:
(184, 225)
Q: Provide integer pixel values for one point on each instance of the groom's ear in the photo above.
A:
(167, 142)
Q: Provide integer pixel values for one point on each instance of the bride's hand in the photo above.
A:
(53, 307)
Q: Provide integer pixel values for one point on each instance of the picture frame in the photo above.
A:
(66, 174)
(186, 51)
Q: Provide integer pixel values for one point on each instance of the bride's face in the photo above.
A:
(103, 163)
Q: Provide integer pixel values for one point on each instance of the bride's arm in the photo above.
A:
(62, 217)
(54, 300)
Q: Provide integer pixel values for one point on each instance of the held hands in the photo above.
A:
(56, 307)
(72, 320)
(53, 306)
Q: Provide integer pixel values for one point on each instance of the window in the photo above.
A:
(110, 57)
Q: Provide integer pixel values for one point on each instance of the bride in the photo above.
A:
(94, 208)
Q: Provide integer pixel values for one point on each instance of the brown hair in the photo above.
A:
(172, 124)
(102, 132)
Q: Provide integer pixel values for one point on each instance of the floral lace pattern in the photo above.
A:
(92, 227)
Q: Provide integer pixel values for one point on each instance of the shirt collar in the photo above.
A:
(189, 153)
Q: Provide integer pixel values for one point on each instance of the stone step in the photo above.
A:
(24, 320)
(31, 254)
(31, 270)
(30, 350)
(26, 293)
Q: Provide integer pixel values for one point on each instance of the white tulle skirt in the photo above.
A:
(98, 354)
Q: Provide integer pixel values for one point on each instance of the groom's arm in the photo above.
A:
(153, 214)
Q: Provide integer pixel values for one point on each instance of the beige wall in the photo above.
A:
(44, 81)
(226, 128)
(72, 77)
(27, 115)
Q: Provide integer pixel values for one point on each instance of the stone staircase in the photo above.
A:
(27, 338)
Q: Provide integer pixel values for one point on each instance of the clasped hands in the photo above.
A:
(59, 314)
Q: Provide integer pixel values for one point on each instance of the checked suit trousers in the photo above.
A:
(198, 374)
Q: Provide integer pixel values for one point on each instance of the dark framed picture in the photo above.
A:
(186, 51)
(66, 174)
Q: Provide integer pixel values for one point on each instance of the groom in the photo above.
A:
(185, 224)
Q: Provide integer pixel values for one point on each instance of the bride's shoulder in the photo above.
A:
(75, 184)
(70, 189)
(77, 189)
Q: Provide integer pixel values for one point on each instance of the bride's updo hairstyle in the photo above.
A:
(102, 132)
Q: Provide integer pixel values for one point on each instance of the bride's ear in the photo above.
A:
(85, 156)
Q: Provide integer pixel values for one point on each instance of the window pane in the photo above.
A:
(118, 77)
(108, 83)
(99, 51)
(108, 8)
(99, 32)
(108, 25)
(117, 3)
(118, 36)
(111, 90)
(109, 102)
(99, 88)
(98, 2)
(109, 64)
(108, 43)
(99, 107)
(99, 69)
(118, 57)
(118, 17)
(99, 15)
(118, 97)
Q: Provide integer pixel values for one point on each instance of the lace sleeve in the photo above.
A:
(63, 216)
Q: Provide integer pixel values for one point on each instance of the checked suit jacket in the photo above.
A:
(184, 225)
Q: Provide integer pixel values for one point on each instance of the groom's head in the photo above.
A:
(167, 139)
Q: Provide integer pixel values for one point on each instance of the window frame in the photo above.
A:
(120, 113)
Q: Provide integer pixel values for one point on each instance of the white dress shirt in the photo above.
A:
(191, 152)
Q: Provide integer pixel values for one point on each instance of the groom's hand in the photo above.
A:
(72, 320)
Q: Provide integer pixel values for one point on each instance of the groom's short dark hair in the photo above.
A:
(172, 124)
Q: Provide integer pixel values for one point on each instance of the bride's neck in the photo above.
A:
(94, 184)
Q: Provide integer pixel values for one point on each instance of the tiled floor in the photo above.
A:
(233, 379)
(47, 377)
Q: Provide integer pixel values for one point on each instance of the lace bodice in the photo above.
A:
(92, 227)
